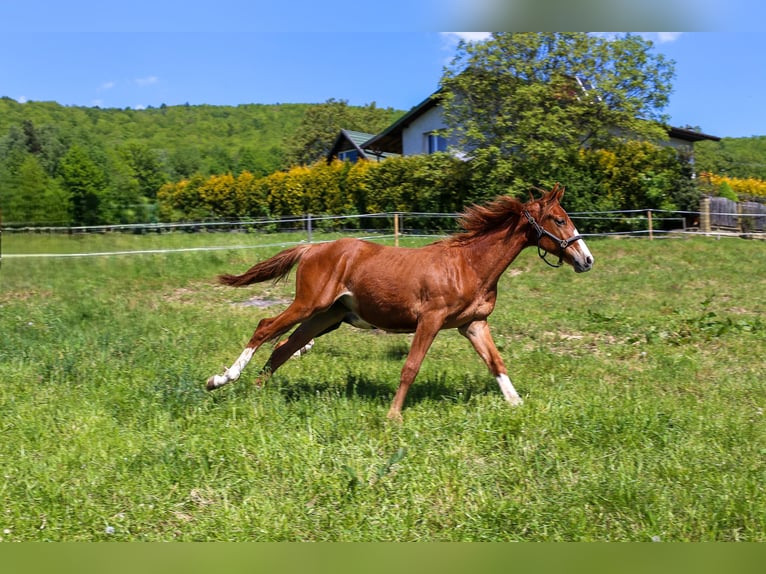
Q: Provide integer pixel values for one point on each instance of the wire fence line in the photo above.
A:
(307, 220)
(207, 225)
(310, 224)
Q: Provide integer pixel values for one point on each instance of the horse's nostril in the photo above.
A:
(589, 260)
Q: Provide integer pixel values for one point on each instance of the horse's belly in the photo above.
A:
(358, 322)
(365, 317)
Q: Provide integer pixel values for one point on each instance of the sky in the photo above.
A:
(231, 52)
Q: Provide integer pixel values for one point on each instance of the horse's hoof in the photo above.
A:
(395, 416)
(211, 386)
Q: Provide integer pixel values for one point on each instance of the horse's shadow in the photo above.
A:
(375, 390)
(435, 387)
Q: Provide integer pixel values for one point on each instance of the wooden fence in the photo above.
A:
(719, 213)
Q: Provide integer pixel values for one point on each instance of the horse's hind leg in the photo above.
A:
(311, 329)
(310, 344)
(316, 289)
(267, 330)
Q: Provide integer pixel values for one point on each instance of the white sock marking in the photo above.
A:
(233, 372)
(509, 392)
(305, 349)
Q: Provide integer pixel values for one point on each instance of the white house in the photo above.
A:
(417, 133)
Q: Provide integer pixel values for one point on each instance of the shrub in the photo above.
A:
(634, 176)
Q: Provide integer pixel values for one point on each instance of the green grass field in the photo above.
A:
(643, 380)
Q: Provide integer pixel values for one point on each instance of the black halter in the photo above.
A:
(562, 243)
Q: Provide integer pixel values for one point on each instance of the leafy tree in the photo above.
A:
(12, 149)
(184, 162)
(85, 182)
(29, 196)
(32, 186)
(733, 157)
(321, 124)
(219, 160)
(23, 185)
(145, 167)
(532, 100)
(122, 200)
(32, 140)
(247, 160)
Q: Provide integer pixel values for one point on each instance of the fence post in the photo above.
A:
(651, 231)
(741, 220)
(396, 229)
(705, 214)
(308, 225)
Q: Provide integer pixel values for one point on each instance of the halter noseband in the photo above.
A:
(562, 243)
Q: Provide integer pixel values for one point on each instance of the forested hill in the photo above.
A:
(86, 165)
(733, 157)
(187, 139)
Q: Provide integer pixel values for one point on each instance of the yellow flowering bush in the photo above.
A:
(334, 188)
(743, 187)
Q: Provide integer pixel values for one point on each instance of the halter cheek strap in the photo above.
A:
(562, 243)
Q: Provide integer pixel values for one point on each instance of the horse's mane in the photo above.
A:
(478, 220)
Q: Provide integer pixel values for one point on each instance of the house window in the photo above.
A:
(436, 143)
(587, 87)
(349, 155)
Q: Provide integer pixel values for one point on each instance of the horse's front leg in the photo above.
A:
(478, 333)
(424, 335)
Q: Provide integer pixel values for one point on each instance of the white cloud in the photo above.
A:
(660, 37)
(656, 37)
(663, 37)
(468, 36)
(107, 85)
(147, 81)
(22, 99)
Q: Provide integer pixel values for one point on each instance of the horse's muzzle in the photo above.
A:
(582, 264)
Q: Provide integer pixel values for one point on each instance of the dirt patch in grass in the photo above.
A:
(218, 295)
(11, 296)
(262, 302)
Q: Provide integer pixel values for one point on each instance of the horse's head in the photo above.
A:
(552, 231)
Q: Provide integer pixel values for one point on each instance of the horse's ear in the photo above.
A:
(555, 194)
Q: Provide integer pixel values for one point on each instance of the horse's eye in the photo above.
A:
(559, 221)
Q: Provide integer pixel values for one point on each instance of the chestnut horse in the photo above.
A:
(448, 284)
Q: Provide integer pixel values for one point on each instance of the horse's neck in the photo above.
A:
(494, 252)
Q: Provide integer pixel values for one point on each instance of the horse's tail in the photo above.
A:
(275, 268)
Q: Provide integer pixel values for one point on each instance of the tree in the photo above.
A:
(122, 200)
(184, 162)
(84, 181)
(321, 124)
(733, 157)
(532, 100)
(145, 166)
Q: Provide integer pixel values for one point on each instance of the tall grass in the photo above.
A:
(643, 419)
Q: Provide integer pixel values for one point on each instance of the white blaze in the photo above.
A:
(583, 248)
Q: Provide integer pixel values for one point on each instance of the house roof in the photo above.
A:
(349, 139)
(390, 140)
(690, 135)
